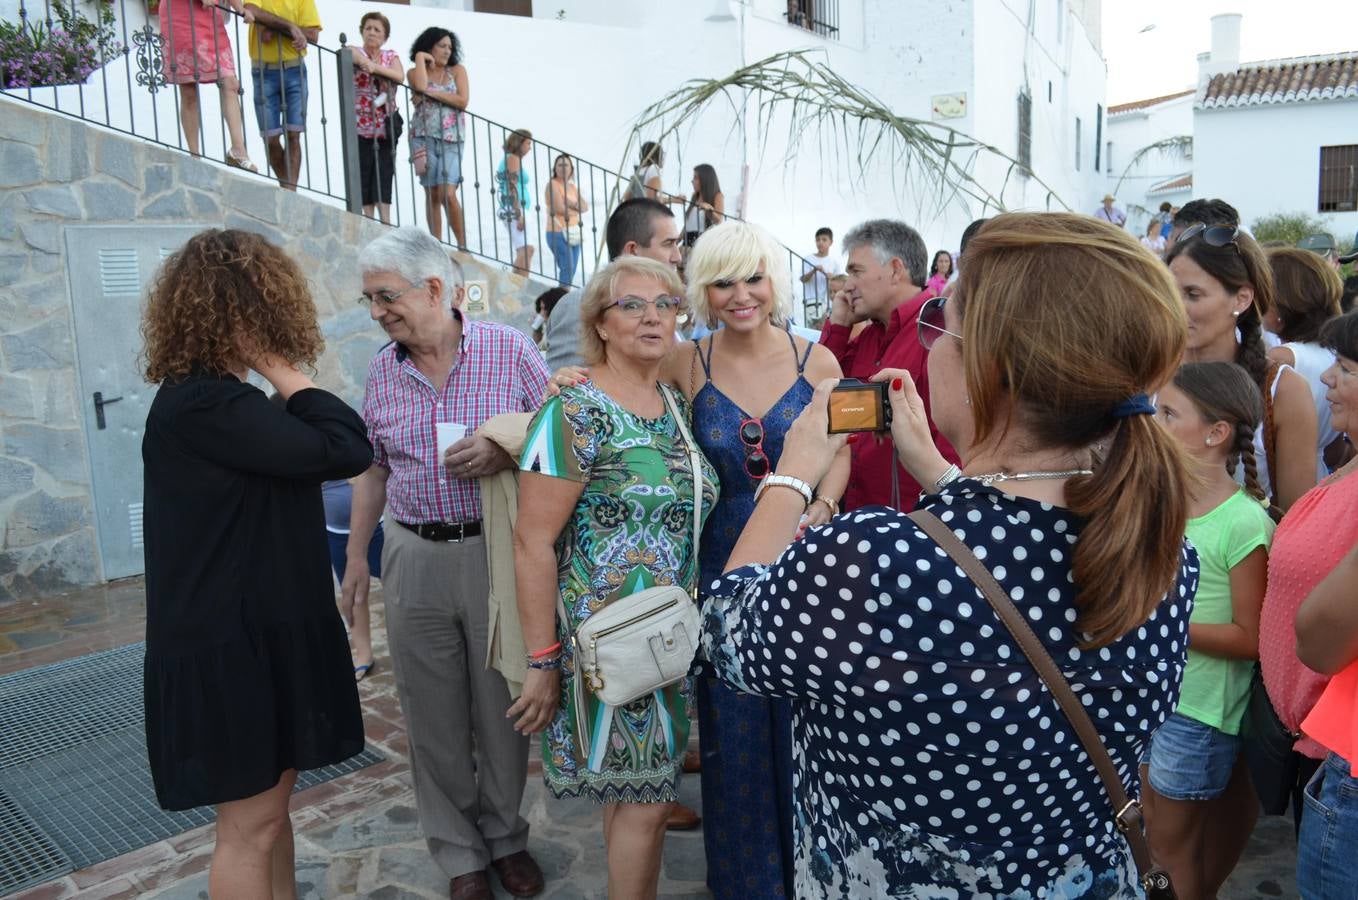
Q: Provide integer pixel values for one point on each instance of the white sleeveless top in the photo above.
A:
(1311, 361)
(1260, 457)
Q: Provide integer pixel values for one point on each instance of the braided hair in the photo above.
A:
(1226, 392)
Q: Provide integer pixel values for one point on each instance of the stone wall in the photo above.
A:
(57, 171)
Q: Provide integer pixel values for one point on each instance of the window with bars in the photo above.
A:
(1098, 136)
(819, 16)
(1025, 131)
(1338, 179)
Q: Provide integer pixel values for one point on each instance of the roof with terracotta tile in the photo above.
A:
(1144, 104)
(1300, 79)
(1173, 185)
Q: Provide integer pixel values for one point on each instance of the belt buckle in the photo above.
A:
(461, 532)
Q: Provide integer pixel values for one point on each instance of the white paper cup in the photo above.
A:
(447, 434)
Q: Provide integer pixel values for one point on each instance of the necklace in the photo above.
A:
(994, 477)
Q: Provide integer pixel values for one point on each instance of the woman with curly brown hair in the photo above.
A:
(247, 670)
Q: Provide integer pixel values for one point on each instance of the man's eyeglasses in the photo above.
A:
(931, 323)
(634, 307)
(386, 298)
(1213, 235)
(752, 436)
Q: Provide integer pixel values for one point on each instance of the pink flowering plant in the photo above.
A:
(62, 49)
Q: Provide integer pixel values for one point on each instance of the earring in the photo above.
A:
(1236, 313)
(603, 335)
(1210, 442)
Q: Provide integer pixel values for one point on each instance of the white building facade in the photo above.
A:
(1270, 137)
(1150, 155)
(1024, 77)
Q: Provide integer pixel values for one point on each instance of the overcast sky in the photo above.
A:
(1163, 59)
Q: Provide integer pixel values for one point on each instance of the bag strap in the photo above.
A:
(695, 466)
(1271, 374)
(1126, 811)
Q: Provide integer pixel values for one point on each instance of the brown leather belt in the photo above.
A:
(444, 531)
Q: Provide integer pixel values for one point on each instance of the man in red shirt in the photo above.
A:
(887, 264)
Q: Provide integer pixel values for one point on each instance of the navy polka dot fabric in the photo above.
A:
(929, 758)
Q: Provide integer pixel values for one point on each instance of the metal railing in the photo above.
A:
(818, 16)
(135, 93)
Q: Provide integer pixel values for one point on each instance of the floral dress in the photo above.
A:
(435, 120)
(372, 118)
(929, 759)
(632, 528)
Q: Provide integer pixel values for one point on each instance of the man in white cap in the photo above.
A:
(1110, 213)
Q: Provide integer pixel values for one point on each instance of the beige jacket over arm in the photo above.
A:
(505, 650)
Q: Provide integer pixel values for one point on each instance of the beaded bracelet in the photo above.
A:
(545, 651)
(546, 665)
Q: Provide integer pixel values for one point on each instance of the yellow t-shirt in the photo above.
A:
(301, 13)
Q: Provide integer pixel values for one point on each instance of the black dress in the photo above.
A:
(247, 669)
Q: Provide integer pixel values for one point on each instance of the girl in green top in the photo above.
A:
(1200, 806)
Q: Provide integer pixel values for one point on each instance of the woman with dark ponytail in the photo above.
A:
(1227, 289)
(930, 759)
(1198, 780)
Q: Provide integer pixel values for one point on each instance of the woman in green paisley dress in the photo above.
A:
(605, 510)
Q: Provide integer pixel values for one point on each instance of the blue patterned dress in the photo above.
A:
(746, 740)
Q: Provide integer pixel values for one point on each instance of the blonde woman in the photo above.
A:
(747, 382)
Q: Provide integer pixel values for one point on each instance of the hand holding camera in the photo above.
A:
(910, 433)
(809, 448)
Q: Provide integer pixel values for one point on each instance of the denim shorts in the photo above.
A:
(1329, 834)
(280, 99)
(445, 161)
(1190, 760)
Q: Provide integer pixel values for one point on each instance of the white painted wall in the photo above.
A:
(580, 81)
(1034, 44)
(1129, 133)
(1266, 159)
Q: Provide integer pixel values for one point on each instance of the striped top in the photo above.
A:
(497, 370)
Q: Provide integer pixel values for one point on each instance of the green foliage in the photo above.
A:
(62, 49)
(1286, 227)
(847, 121)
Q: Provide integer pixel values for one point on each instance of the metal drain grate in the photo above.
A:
(75, 787)
(96, 800)
(48, 709)
(27, 856)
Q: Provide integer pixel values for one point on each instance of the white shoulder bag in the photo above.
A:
(642, 642)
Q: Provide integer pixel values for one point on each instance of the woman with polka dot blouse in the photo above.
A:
(929, 759)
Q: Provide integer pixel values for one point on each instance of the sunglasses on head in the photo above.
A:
(1212, 235)
(752, 436)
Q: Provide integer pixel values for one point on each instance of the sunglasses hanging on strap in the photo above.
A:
(1126, 811)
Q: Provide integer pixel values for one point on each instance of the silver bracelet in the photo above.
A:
(787, 481)
(948, 477)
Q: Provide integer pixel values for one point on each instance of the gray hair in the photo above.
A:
(415, 255)
(891, 238)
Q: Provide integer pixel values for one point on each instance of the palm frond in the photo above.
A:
(824, 110)
(1180, 145)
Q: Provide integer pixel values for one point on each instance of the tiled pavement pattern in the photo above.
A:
(357, 836)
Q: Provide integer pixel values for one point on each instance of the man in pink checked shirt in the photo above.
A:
(467, 762)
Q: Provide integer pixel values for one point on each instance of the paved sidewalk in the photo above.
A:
(357, 836)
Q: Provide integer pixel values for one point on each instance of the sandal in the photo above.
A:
(362, 672)
(241, 162)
